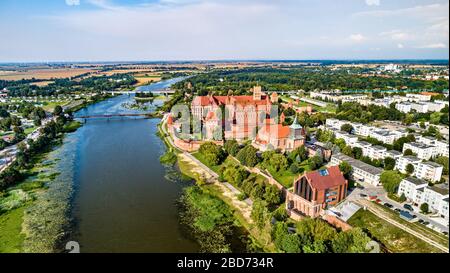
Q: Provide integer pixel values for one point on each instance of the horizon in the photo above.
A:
(198, 30)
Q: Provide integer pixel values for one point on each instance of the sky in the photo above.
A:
(167, 30)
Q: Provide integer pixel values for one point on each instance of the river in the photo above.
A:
(124, 200)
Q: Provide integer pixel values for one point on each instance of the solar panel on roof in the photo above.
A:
(323, 172)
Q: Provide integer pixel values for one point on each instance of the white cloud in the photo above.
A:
(373, 2)
(433, 46)
(357, 37)
(397, 35)
(73, 2)
(400, 46)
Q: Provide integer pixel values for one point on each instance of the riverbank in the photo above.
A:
(206, 180)
(32, 210)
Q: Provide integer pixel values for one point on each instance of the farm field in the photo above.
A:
(43, 74)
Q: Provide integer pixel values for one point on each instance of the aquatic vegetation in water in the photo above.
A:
(14, 199)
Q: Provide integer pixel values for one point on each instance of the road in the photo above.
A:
(382, 195)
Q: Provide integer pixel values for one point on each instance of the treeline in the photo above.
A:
(306, 78)
(63, 86)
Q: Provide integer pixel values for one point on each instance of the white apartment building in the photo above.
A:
(362, 130)
(423, 151)
(420, 107)
(418, 97)
(336, 123)
(404, 107)
(418, 192)
(435, 106)
(360, 171)
(428, 170)
(384, 136)
(348, 138)
(375, 152)
(404, 161)
(393, 154)
(442, 148)
(361, 144)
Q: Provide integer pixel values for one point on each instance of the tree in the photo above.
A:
(347, 151)
(260, 214)
(443, 160)
(389, 163)
(231, 147)
(278, 162)
(357, 152)
(351, 241)
(410, 168)
(247, 156)
(347, 128)
(402, 198)
(58, 110)
(424, 208)
(315, 162)
(345, 168)
(408, 152)
(272, 195)
(390, 180)
(212, 153)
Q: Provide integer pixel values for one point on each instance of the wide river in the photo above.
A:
(124, 199)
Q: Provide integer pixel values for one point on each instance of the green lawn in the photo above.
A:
(11, 238)
(29, 130)
(286, 177)
(392, 237)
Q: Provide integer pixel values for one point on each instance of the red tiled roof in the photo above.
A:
(240, 100)
(276, 130)
(322, 182)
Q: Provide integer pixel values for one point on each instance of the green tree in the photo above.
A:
(410, 168)
(212, 153)
(272, 195)
(390, 180)
(58, 110)
(443, 160)
(357, 152)
(408, 152)
(389, 163)
(402, 198)
(346, 169)
(260, 214)
(424, 208)
(347, 128)
(247, 156)
(347, 151)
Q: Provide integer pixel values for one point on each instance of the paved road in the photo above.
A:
(382, 195)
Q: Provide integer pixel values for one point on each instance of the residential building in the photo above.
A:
(348, 138)
(393, 154)
(315, 191)
(423, 151)
(412, 188)
(419, 97)
(360, 171)
(428, 170)
(404, 161)
(384, 136)
(404, 107)
(375, 152)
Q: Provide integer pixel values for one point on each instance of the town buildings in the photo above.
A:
(315, 191)
(361, 171)
(419, 192)
(422, 150)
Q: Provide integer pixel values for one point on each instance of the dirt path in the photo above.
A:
(202, 170)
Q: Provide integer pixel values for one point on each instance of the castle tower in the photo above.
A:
(296, 130)
(257, 92)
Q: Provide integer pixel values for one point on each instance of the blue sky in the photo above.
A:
(121, 30)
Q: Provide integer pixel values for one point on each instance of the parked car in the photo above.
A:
(408, 207)
(421, 221)
(445, 233)
(426, 223)
(363, 195)
(398, 210)
(387, 205)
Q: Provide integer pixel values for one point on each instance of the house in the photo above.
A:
(318, 148)
(428, 170)
(404, 107)
(423, 151)
(315, 191)
(277, 136)
(404, 161)
(360, 171)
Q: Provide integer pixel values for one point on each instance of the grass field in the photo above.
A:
(11, 238)
(392, 237)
